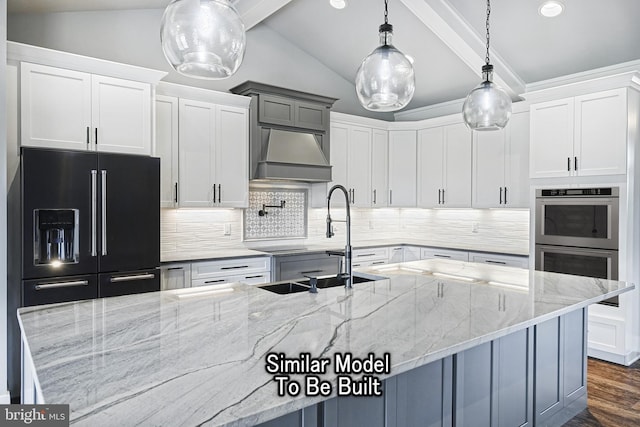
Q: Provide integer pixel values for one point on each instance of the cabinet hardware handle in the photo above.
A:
(504, 302)
(175, 268)
(42, 286)
(500, 195)
(132, 278)
(378, 262)
(88, 132)
(390, 197)
(443, 196)
(96, 136)
(397, 249)
(175, 199)
(309, 272)
(104, 212)
(575, 163)
(214, 193)
(568, 164)
(215, 281)
(505, 195)
(374, 197)
(359, 255)
(254, 277)
(94, 212)
(356, 265)
(235, 267)
(441, 256)
(353, 197)
(439, 195)
(219, 193)
(490, 261)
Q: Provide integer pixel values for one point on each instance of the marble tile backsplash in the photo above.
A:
(185, 230)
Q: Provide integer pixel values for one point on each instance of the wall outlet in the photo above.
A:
(474, 227)
(227, 229)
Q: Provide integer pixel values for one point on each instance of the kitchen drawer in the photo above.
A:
(175, 276)
(368, 263)
(229, 267)
(127, 283)
(249, 279)
(506, 260)
(370, 254)
(428, 253)
(60, 289)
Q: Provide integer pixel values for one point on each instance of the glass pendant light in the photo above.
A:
(203, 38)
(487, 107)
(385, 80)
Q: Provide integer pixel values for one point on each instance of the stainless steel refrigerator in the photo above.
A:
(90, 228)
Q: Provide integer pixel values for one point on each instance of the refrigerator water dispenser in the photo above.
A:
(55, 236)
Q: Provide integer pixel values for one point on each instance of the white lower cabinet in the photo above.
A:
(252, 271)
(411, 253)
(429, 253)
(396, 254)
(370, 256)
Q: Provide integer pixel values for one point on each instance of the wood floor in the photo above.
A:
(613, 396)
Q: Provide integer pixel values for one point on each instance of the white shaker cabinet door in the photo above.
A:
(489, 168)
(517, 162)
(339, 153)
(121, 115)
(167, 149)
(196, 151)
(359, 161)
(601, 133)
(55, 107)
(402, 168)
(231, 159)
(457, 174)
(380, 168)
(552, 131)
(430, 167)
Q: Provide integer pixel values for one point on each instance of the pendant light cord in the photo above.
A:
(386, 18)
(487, 26)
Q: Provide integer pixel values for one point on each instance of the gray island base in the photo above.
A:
(468, 344)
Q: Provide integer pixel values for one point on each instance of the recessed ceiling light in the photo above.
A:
(338, 4)
(551, 8)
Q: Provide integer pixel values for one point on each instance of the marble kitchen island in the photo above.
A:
(467, 343)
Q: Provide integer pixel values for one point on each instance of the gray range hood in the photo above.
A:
(292, 156)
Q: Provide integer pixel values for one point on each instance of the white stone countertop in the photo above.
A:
(333, 244)
(172, 358)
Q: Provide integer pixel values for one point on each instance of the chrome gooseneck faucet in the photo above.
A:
(347, 249)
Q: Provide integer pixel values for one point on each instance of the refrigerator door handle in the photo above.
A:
(94, 211)
(132, 277)
(104, 212)
(42, 286)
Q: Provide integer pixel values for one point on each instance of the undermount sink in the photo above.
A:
(302, 285)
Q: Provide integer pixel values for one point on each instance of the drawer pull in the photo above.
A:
(42, 286)
(490, 261)
(254, 277)
(359, 255)
(235, 267)
(215, 281)
(132, 278)
(441, 256)
(175, 268)
(378, 262)
(309, 272)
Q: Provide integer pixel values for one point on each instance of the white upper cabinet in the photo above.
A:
(351, 160)
(68, 109)
(580, 136)
(501, 165)
(212, 151)
(167, 148)
(402, 168)
(379, 169)
(444, 166)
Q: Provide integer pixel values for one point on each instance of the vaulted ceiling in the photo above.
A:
(445, 37)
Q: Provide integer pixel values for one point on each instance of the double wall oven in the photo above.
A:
(576, 232)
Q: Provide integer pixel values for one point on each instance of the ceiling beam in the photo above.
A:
(255, 11)
(459, 36)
